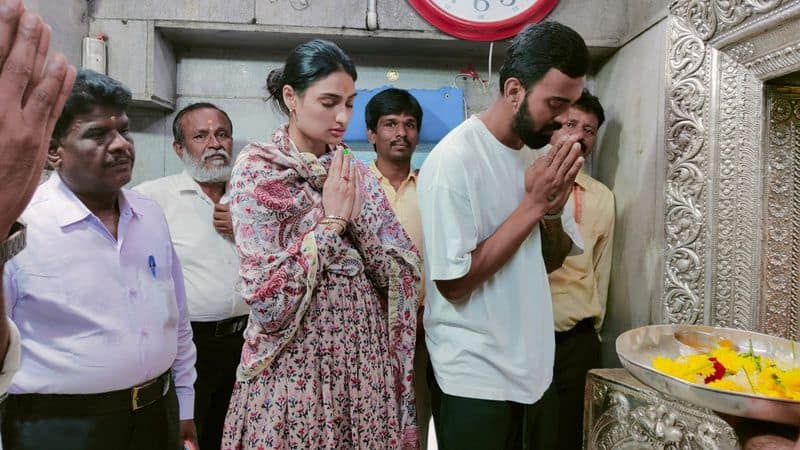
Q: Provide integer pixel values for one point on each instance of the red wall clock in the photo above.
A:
(482, 20)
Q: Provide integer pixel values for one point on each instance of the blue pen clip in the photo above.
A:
(151, 262)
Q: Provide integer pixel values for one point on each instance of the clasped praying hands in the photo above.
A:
(549, 180)
(341, 199)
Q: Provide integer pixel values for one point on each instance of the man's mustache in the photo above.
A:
(210, 153)
(401, 141)
(118, 161)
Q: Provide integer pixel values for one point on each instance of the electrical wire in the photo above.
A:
(491, 49)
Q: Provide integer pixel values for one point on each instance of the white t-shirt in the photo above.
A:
(498, 344)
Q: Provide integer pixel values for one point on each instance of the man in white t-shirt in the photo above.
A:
(493, 228)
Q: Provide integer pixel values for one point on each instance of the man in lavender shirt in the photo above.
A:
(98, 297)
(27, 117)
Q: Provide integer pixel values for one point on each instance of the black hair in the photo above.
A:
(391, 101)
(541, 47)
(588, 103)
(91, 89)
(177, 129)
(307, 63)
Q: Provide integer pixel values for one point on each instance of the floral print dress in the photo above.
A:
(321, 366)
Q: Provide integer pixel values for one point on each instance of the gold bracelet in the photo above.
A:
(335, 225)
(329, 221)
(337, 218)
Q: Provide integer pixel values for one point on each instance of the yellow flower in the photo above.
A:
(791, 380)
(670, 367)
(749, 362)
(744, 372)
(726, 384)
(728, 358)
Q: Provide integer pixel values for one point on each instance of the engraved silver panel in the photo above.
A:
(716, 188)
(732, 209)
(781, 267)
(688, 84)
(622, 414)
(736, 186)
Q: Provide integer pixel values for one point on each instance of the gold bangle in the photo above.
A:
(338, 223)
(337, 218)
(334, 225)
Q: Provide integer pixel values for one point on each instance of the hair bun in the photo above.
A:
(275, 82)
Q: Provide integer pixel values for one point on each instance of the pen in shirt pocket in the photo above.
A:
(151, 263)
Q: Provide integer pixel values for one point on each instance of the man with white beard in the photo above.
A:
(197, 212)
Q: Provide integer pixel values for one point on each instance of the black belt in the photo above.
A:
(221, 328)
(584, 326)
(3, 398)
(131, 399)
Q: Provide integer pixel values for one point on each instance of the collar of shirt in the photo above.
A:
(71, 209)
(186, 184)
(582, 179)
(412, 174)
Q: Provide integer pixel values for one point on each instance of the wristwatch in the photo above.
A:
(14, 244)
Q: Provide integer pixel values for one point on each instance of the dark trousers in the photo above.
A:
(217, 359)
(473, 424)
(153, 427)
(577, 351)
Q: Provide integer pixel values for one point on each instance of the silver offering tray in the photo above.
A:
(637, 348)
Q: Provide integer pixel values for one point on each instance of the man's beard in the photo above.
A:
(522, 125)
(196, 167)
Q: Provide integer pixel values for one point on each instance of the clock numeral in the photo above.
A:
(481, 5)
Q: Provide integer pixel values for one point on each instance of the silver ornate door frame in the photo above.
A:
(718, 249)
(732, 206)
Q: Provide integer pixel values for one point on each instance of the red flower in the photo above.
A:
(719, 371)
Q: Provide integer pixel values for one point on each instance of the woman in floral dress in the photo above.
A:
(321, 253)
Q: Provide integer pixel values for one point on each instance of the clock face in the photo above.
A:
(482, 20)
(484, 10)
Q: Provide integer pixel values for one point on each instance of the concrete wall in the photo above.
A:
(631, 161)
(68, 21)
(640, 15)
(234, 80)
(602, 22)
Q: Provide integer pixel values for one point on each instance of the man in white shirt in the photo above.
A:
(200, 223)
(493, 228)
(25, 127)
(98, 297)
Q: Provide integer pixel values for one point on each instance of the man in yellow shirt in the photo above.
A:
(580, 287)
(394, 118)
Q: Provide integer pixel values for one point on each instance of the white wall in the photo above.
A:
(66, 18)
(631, 161)
(235, 81)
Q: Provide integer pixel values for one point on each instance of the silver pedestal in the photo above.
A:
(620, 413)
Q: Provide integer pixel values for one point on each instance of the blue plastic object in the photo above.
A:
(442, 110)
